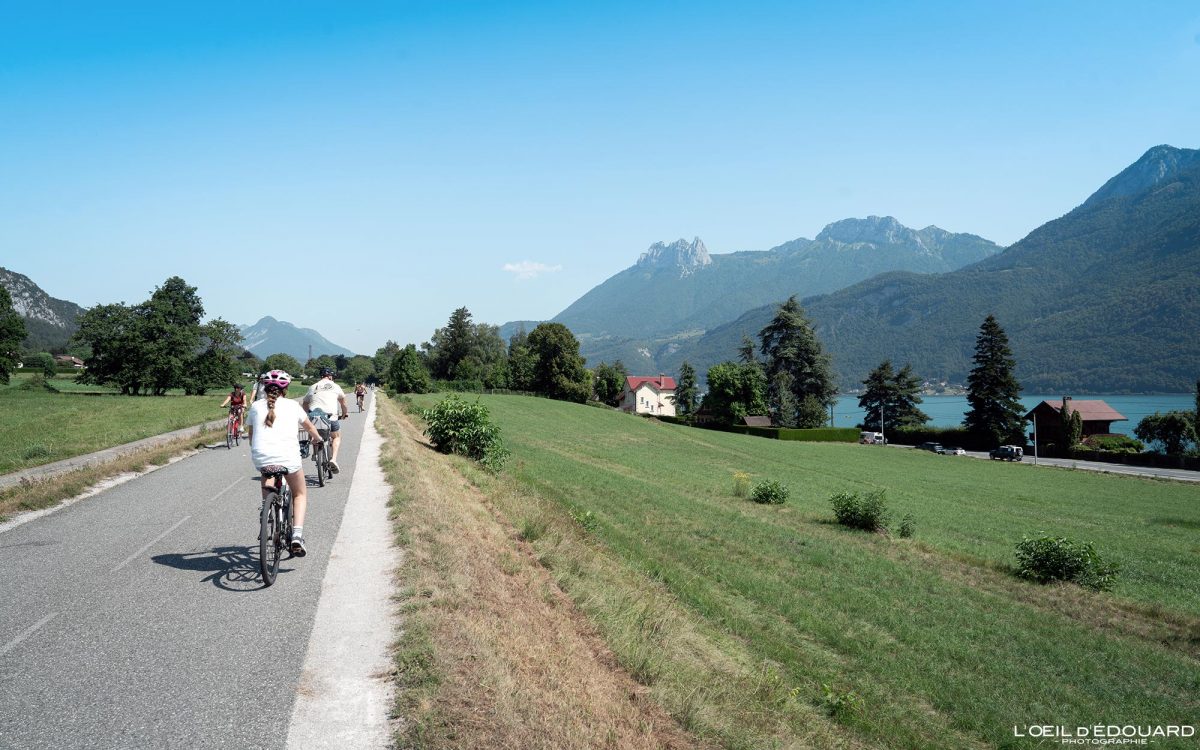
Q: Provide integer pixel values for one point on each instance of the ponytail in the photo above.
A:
(273, 392)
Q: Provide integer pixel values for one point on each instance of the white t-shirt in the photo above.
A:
(277, 444)
(325, 394)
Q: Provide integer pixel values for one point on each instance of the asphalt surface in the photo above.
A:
(1181, 475)
(137, 618)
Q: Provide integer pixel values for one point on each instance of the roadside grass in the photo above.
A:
(492, 653)
(43, 493)
(40, 427)
(928, 642)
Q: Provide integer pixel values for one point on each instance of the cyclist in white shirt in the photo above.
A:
(273, 423)
(329, 397)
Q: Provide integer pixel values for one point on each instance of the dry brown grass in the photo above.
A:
(508, 662)
(35, 494)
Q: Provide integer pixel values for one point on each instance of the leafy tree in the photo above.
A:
(558, 370)
(407, 373)
(112, 333)
(735, 390)
(285, 362)
(521, 362)
(12, 333)
(170, 329)
(1174, 431)
(463, 350)
(313, 367)
(897, 394)
(383, 358)
(1072, 427)
(48, 365)
(359, 369)
(247, 362)
(781, 403)
(1196, 412)
(996, 415)
(746, 351)
(217, 364)
(790, 345)
(609, 382)
(686, 390)
(341, 362)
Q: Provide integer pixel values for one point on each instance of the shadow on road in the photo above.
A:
(230, 568)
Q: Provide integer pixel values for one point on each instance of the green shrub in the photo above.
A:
(839, 703)
(586, 519)
(867, 512)
(1050, 558)
(1113, 444)
(770, 492)
(457, 426)
(907, 527)
(741, 484)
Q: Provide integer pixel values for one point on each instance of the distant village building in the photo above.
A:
(646, 395)
(1096, 415)
(756, 421)
(64, 360)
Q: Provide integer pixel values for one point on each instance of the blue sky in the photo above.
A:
(363, 169)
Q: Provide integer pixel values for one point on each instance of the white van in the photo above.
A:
(871, 438)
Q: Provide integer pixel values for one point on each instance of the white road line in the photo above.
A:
(150, 544)
(30, 631)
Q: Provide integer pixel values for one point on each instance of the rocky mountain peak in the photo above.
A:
(1156, 166)
(681, 254)
(877, 230)
(31, 302)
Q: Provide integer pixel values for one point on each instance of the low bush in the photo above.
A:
(1054, 558)
(741, 484)
(770, 492)
(867, 512)
(1113, 444)
(907, 527)
(465, 428)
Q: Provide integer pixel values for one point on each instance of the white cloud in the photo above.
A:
(528, 269)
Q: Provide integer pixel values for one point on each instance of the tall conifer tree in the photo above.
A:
(996, 415)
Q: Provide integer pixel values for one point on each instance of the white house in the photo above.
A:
(645, 395)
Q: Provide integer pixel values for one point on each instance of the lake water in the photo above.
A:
(948, 411)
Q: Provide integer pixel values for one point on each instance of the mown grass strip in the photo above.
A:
(40, 427)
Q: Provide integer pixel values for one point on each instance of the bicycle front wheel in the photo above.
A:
(229, 436)
(270, 539)
(322, 462)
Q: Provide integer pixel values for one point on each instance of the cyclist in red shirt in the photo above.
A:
(236, 401)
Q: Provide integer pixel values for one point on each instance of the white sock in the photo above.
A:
(297, 532)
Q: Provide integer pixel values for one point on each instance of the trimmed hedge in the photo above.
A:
(814, 435)
(948, 436)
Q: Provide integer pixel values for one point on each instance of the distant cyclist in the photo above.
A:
(360, 393)
(236, 401)
(260, 388)
(273, 423)
(329, 397)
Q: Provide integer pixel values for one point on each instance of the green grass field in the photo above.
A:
(942, 644)
(40, 427)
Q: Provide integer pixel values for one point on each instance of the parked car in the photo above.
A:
(1007, 453)
(932, 447)
(952, 451)
(871, 438)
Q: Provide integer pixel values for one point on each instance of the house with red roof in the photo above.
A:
(1096, 415)
(649, 395)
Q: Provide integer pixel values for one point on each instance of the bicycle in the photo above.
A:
(322, 452)
(274, 524)
(233, 428)
(360, 401)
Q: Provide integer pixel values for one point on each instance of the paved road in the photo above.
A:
(1182, 475)
(137, 619)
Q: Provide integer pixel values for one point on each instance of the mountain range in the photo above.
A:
(270, 336)
(1103, 299)
(50, 323)
(678, 291)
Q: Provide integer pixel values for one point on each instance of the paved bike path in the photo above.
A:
(137, 618)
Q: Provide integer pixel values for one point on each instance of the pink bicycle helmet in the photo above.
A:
(277, 377)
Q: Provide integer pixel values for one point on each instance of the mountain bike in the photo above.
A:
(233, 428)
(322, 452)
(274, 524)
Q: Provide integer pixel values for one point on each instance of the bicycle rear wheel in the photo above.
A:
(229, 435)
(322, 459)
(270, 538)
